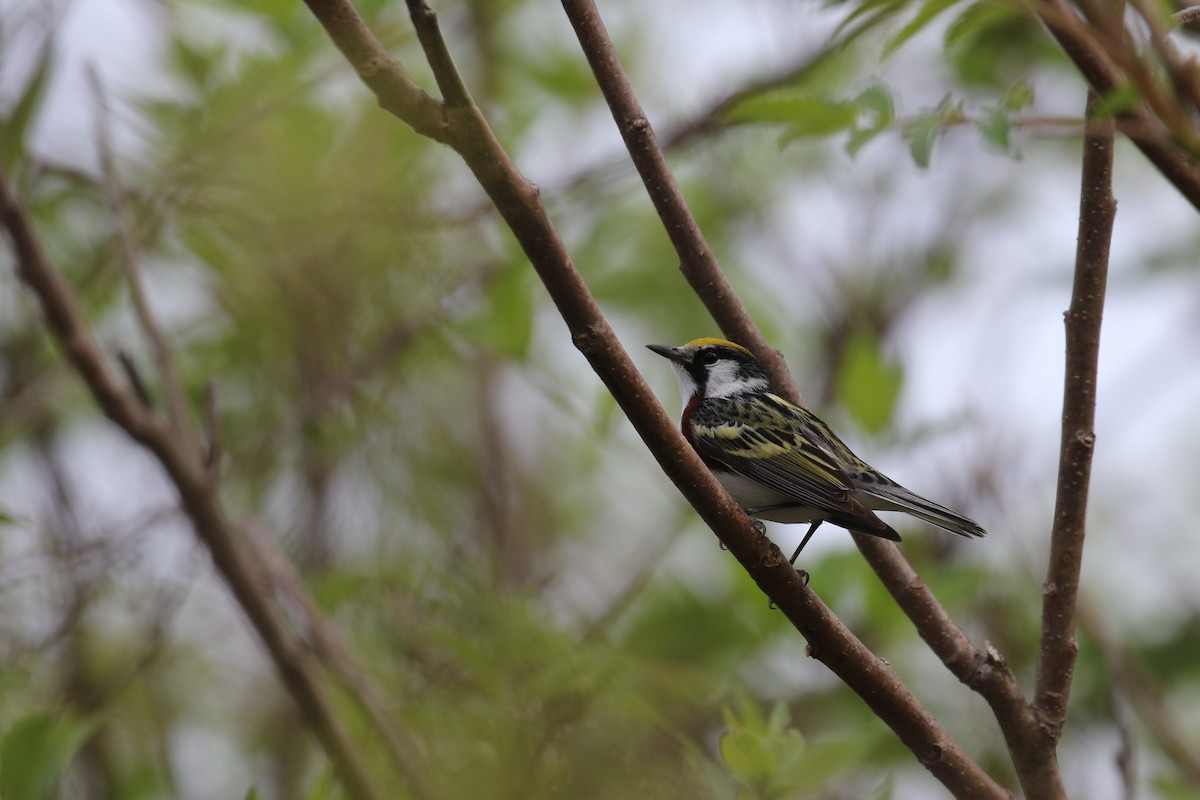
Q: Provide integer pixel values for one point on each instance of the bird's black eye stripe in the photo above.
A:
(709, 358)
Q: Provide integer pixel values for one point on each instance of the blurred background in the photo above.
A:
(402, 409)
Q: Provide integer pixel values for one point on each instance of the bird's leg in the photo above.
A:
(759, 526)
(811, 530)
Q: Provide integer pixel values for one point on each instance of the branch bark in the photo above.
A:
(1056, 657)
(518, 202)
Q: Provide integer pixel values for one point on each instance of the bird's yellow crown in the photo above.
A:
(722, 342)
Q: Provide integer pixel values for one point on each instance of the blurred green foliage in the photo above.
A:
(398, 406)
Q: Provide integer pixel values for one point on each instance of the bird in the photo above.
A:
(781, 462)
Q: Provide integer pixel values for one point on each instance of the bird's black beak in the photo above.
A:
(666, 351)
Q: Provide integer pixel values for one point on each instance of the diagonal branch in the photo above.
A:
(65, 319)
(519, 204)
(378, 69)
(1056, 656)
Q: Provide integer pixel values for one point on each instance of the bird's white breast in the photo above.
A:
(751, 494)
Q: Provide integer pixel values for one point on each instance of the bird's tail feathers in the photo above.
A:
(896, 498)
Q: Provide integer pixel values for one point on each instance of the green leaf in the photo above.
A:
(920, 135)
(975, 19)
(1120, 99)
(804, 115)
(879, 9)
(765, 755)
(506, 324)
(923, 131)
(875, 115)
(15, 126)
(868, 383)
(747, 756)
(877, 100)
(278, 11)
(996, 127)
(1018, 96)
(991, 41)
(35, 751)
(325, 787)
(191, 63)
(926, 14)
(778, 721)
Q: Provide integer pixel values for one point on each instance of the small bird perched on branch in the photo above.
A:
(778, 461)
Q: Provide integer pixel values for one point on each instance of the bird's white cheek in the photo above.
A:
(687, 386)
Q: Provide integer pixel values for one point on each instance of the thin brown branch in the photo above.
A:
(383, 74)
(1056, 656)
(519, 204)
(1126, 756)
(429, 34)
(184, 465)
(136, 382)
(696, 259)
(64, 318)
(212, 428)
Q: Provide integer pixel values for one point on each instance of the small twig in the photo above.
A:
(212, 428)
(136, 382)
(1126, 755)
(429, 34)
(176, 404)
(1058, 648)
(64, 317)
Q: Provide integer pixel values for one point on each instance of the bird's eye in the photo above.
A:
(709, 358)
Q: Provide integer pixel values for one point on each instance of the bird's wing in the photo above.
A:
(877, 490)
(769, 444)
